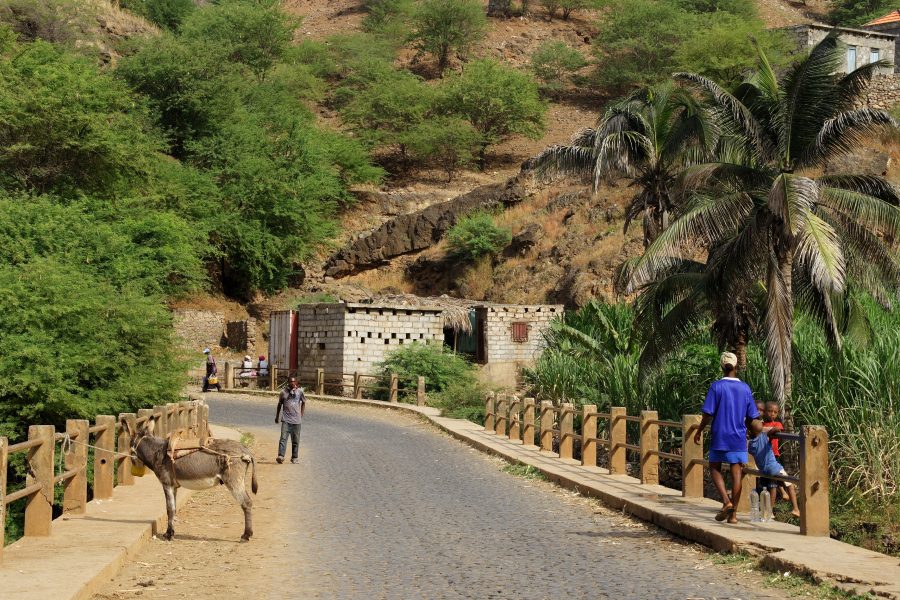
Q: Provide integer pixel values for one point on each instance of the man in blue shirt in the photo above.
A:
(729, 405)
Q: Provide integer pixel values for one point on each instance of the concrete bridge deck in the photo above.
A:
(384, 506)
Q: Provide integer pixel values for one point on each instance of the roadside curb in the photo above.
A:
(779, 545)
(85, 551)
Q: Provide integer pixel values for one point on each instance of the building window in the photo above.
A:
(874, 55)
(851, 58)
(520, 332)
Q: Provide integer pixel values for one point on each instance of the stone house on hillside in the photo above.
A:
(888, 24)
(863, 46)
(344, 338)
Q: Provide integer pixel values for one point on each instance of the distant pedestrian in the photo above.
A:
(211, 379)
(729, 405)
(291, 404)
(247, 371)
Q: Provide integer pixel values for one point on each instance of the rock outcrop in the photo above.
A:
(419, 230)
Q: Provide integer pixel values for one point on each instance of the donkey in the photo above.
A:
(222, 462)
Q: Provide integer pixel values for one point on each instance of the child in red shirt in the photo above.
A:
(771, 420)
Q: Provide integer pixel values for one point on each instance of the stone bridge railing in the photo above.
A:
(111, 464)
(555, 429)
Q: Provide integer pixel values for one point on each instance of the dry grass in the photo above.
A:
(478, 279)
(384, 280)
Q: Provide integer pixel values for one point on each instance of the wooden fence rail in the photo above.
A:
(111, 461)
(556, 423)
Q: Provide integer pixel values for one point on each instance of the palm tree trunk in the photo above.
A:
(786, 265)
(740, 350)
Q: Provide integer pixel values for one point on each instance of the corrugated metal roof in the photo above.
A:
(891, 17)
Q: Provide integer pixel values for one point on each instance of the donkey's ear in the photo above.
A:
(151, 424)
(126, 427)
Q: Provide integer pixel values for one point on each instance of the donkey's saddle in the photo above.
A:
(179, 448)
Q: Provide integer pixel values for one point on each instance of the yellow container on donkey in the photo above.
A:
(138, 471)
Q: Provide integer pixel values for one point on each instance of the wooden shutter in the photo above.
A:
(520, 332)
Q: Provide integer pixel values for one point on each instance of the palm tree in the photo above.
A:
(648, 137)
(770, 218)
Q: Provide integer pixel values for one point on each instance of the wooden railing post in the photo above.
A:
(184, 422)
(566, 421)
(39, 506)
(617, 439)
(420, 391)
(813, 500)
(105, 443)
(515, 419)
(159, 411)
(273, 378)
(203, 422)
(357, 390)
(229, 376)
(691, 455)
(649, 447)
(394, 387)
(546, 426)
(489, 413)
(75, 489)
(588, 431)
(528, 429)
(123, 444)
(320, 382)
(502, 416)
(4, 461)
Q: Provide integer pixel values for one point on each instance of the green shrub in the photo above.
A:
(449, 377)
(165, 13)
(444, 26)
(498, 101)
(444, 142)
(475, 236)
(555, 63)
(461, 400)
(852, 13)
(566, 6)
(387, 16)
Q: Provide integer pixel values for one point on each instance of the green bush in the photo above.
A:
(852, 13)
(444, 142)
(165, 13)
(444, 26)
(566, 6)
(475, 236)
(439, 365)
(498, 101)
(555, 63)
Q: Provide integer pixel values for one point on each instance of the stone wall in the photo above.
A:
(199, 329)
(504, 356)
(241, 335)
(883, 92)
(372, 332)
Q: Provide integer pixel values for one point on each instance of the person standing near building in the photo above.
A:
(291, 404)
(729, 406)
(212, 371)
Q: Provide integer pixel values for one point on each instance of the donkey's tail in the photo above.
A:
(253, 485)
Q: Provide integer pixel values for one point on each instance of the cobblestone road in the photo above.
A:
(383, 506)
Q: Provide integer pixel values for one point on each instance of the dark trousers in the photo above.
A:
(294, 431)
(206, 385)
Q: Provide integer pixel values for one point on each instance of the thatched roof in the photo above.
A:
(455, 311)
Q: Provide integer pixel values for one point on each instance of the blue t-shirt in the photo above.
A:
(761, 449)
(730, 402)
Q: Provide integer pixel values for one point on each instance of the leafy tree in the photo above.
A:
(165, 13)
(566, 6)
(722, 50)
(445, 142)
(851, 13)
(648, 137)
(386, 108)
(475, 236)
(808, 239)
(253, 34)
(555, 63)
(739, 8)
(66, 126)
(444, 26)
(387, 16)
(498, 101)
(76, 346)
(642, 42)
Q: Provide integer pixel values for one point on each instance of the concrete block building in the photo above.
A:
(344, 338)
(862, 46)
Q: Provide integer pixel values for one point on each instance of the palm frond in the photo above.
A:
(853, 84)
(870, 212)
(779, 319)
(844, 132)
(819, 253)
(791, 198)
